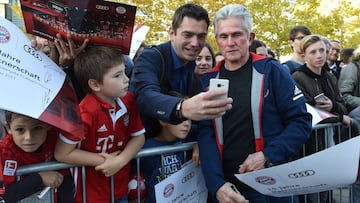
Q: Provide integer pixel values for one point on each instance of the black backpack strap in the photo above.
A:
(162, 76)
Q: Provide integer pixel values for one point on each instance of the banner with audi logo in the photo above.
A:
(329, 169)
(33, 84)
(102, 22)
(185, 185)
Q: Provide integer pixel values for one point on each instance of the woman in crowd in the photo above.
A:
(205, 60)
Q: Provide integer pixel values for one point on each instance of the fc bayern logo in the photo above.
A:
(168, 190)
(4, 35)
(265, 180)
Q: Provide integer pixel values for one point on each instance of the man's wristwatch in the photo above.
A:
(178, 113)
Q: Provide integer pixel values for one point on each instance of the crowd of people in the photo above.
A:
(161, 98)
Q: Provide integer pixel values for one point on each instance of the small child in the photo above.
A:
(31, 141)
(156, 169)
(113, 130)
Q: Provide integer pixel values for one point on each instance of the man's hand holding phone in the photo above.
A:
(216, 83)
(208, 105)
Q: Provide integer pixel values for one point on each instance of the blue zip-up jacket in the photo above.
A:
(153, 75)
(281, 122)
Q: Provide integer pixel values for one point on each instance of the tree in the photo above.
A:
(272, 19)
(272, 24)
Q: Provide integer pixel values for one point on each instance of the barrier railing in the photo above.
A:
(324, 135)
(53, 165)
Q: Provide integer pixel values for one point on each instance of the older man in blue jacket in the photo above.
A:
(268, 123)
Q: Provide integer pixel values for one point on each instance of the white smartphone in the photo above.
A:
(320, 97)
(216, 83)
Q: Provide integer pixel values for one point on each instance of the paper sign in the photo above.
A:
(318, 115)
(30, 82)
(139, 35)
(325, 170)
(102, 22)
(186, 185)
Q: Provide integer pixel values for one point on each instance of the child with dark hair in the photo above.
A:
(157, 168)
(31, 141)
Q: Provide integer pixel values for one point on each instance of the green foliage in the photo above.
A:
(272, 19)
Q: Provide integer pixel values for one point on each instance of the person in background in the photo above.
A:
(204, 61)
(31, 141)
(346, 57)
(349, 83)
(296, 34)
(113, 130)
(313, 80)
(218, 57)
(268, 123)
(333, 64)
(258, 47)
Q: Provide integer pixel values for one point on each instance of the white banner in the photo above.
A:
(318, 115)
(328, 169)
(138, 37)
(186, 185)
(29, 80)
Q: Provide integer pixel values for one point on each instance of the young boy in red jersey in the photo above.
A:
(113, 130)
(31, 141)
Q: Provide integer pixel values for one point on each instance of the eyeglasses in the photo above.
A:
(299, 38)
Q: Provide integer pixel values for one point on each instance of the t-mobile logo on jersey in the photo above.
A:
(105, 143)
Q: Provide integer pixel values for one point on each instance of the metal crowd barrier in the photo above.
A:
(53, 165)
(323, 136)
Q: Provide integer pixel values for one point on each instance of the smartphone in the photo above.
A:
(320, 97)
(216, 83)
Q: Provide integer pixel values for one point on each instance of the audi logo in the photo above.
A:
(102, 7)
(301, 174)
(32, 52)
(188, 176)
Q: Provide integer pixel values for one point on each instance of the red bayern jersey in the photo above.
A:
(13, 157)
(107, 129)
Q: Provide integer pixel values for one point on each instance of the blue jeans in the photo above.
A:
(122, 200)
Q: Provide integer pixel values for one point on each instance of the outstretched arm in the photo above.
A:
(68, 153)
